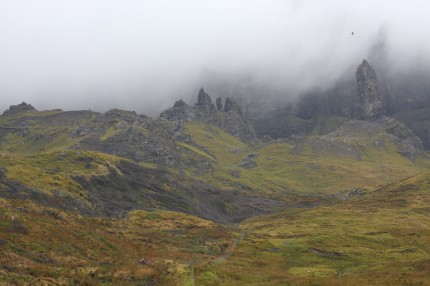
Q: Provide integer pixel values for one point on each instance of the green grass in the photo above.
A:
(52, 173)
(39, 139)
(106, 251)
(286, 168)
(196, 150)
(379, 238)
(4, 119)
(382, 237)
(110, 132)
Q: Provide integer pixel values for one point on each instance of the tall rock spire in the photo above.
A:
(369, 102)
(204, 101)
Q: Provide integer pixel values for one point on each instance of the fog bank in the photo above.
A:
(143, 55)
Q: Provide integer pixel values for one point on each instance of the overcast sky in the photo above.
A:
(142, 55)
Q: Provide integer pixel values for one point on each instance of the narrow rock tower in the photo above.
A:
(369, 101)
(204, 101)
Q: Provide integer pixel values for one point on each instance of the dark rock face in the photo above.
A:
(204, 101)
(233, 121)
(418, 120)
(219, 104)
(369, 101)
(230, 105)
(179, 103)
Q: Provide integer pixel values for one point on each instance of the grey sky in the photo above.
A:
(142, 55)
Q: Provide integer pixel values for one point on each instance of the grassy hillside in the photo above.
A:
(46, 246)
(358, 157)
(85, 196)
(380, 238)
(101, 184)
(35, 131)
(314, 165)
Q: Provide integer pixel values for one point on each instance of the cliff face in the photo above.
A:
(230, 118)
(233, 121)
(369, 101)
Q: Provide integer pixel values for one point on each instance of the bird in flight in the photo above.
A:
(352, 33)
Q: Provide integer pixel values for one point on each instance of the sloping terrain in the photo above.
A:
(377, 237)
(359, 154)
(119, 198)
(40, 245)
(100, 184)
(380, 237)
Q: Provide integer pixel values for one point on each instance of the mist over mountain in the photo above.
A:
(228, 142)
(142, 55)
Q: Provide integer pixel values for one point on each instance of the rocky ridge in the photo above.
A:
(228, 117)
(22, 107)
(126, 133)
(407, 143)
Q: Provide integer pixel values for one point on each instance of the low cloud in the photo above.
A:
(143, 55)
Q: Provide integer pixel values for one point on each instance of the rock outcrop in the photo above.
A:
(13, 109)
(180, 113)
(204, 101)
(369, 103)
(372, 133)
(230, 118)
(233, 121)
(230, 105)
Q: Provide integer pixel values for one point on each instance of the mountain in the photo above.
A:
(403, 95)
(333, 191)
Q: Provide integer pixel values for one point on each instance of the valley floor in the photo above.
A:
(379, 238)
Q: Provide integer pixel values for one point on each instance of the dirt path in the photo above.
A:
(232, 250)
(217, 260)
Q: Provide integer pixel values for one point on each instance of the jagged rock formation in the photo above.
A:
(230, 118)
(125, 133)
(129, 135)
(180, 113)
(204, 101)
(233, 121)
(230, 105)
(13, 109)
(369, 101)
